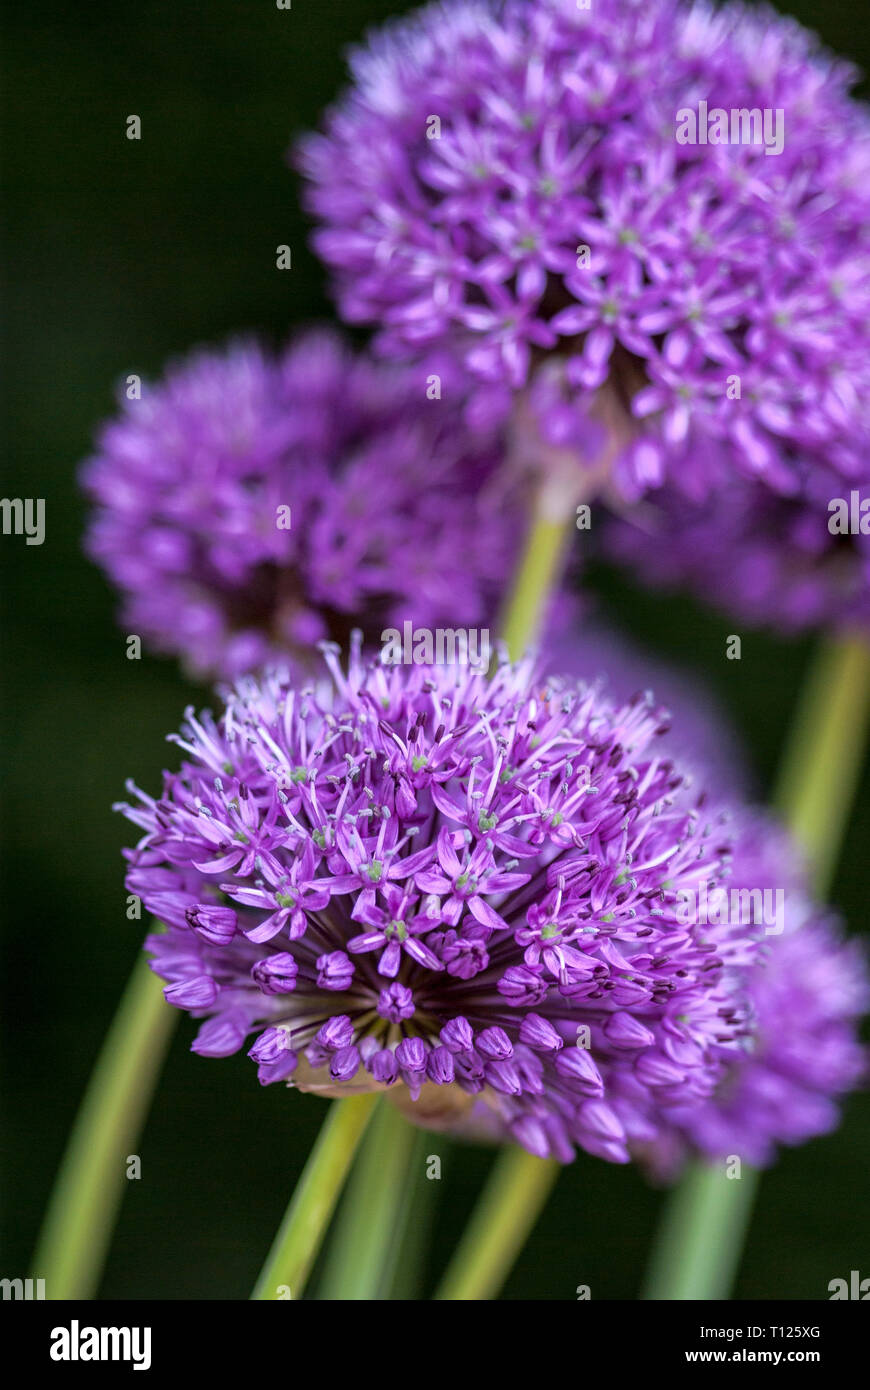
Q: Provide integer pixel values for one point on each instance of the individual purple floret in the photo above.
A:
(651, 219)
(249, 506)
(455, 888)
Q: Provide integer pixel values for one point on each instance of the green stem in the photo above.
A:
(368, 1228)
(88, 1189)
(698, 1247)
(295, 1247)
(406, 1270)
(536, 580)
(512, 1200)
(824, 755)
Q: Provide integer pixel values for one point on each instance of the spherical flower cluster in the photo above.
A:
(790, 563)
(418, 879)
(250, 506)
(533, 181)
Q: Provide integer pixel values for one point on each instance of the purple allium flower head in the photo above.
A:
(517, 178)
(495, 867)
(789, 563)
(250, 506)
(803, 998)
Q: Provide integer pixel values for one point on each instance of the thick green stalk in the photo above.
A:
(90, 1183)
(537, 579)
(825, 753)
(368, 1231)
(515, 1194)
(699, 1245)
(299, 1237)
(406, 1269)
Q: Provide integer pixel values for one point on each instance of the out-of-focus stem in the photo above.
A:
(536, 580)
(87, 1194)
(300, 1234)
(369, 1228)
(515, 1194)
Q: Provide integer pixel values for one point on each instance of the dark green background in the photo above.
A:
(118, 255)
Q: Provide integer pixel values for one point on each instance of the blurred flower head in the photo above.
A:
(250, 506)
(804, 998)
(648, 219)
(457, 889)
(789, 563)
